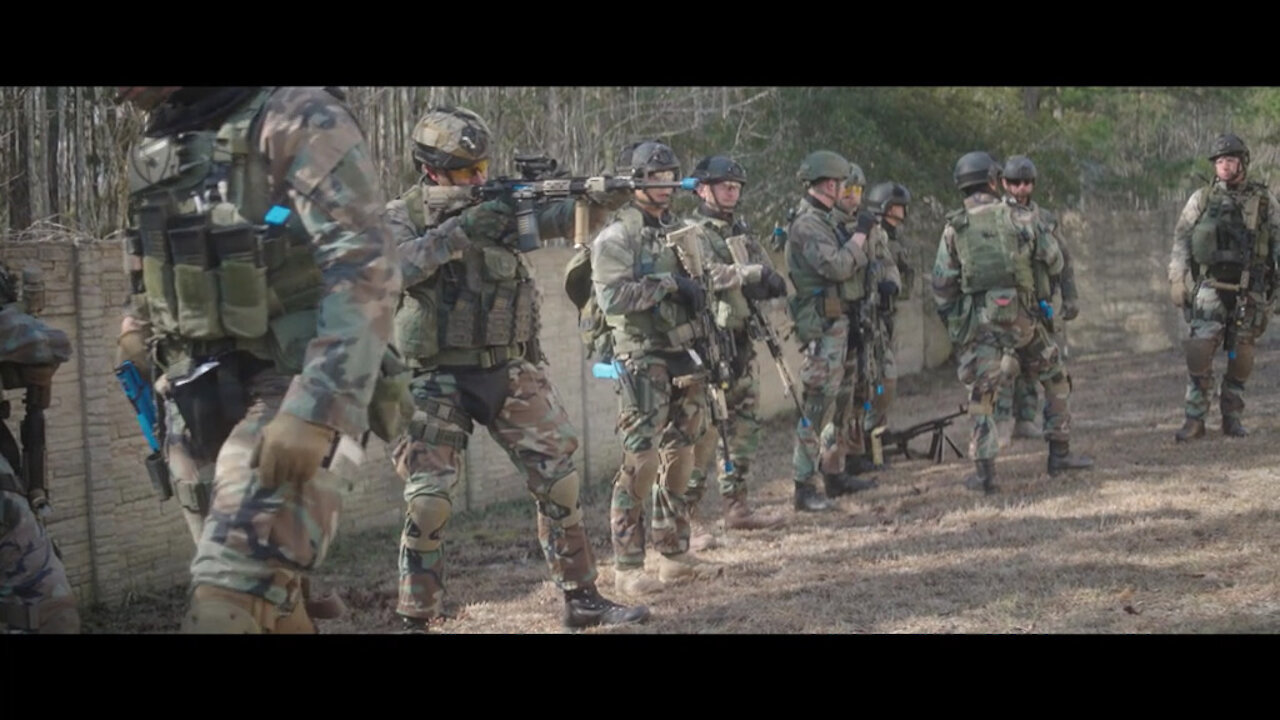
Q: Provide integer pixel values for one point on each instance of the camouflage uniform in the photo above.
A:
(1216, 223)
(827, 270)
(863, 390)
(264, 252)
(663, 406)
(886, 235)
(984, 290)
(732, 312)
(468, 323)
(35, 595)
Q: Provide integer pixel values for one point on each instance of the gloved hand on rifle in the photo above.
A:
(887, 289)
(493, 220)
(290, 450)
(771, 285)
(1069, 310)
(691, 293)
(866, 221)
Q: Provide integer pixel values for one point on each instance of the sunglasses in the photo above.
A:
(851, 191)
(464, 175)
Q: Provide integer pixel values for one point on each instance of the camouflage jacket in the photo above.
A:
(319, 163)
(957, 309)
(425, 224)
(731, 309)
(1180, 260)
(815, 254)
(1048, 223)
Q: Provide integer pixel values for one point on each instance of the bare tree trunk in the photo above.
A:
(20, 178)
(53, 105)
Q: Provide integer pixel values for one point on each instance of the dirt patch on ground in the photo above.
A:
(1158, 538)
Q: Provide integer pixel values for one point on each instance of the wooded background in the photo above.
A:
(63, 148)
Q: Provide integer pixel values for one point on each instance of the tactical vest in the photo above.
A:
(730, 307)
(667, 325)
(818, 298)
(478, 311)
(224, 266)
(995, 252)
(1229, 224)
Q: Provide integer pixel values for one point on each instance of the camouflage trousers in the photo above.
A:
(525, 416)
(742, 399)
(1018, 399)
(263, 541)
(980, 370)
(35, 596)
(662, 414)
(1206, 327)
(828, 373)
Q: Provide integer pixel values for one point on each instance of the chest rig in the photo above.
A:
(731, 308)
(479, 311)
(219, 257)
(1231, 233)
(667, 325)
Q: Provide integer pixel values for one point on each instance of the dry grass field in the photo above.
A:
(1157, 538)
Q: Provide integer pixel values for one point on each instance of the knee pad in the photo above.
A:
(677, 469)
(1059, 386)
(1199, 353)
(1241, 367)
(639, 470)
(561, 503)
(426, 517)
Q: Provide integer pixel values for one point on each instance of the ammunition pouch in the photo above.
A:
(158, 471)
(213, 397)
(1226, 266)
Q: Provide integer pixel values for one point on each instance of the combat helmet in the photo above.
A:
(450, 138)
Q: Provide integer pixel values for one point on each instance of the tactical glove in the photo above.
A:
(887, 289)
(290, 450)
(1069, 310)
(771, 285)
(866, 221)
(691, 293)
(490, 220)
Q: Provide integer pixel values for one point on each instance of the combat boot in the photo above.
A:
(700, 536)
(739, 516)
(1231, 427)
(635, 582)
(1191, 429)
(808, 499)
(844, 484)
(586, 607)
(861, 465)
(1060, 458)
(984, 477)
(414, 625)
(682, 567)
(1027, 429)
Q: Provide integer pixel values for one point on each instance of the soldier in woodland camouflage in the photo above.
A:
(1222, 275)
(984, 290)
(888, 202)
(468, 324)
(1017, 405)
(828, 270)
(35, 596)
(652, 308)
(264, 283)
(721, 181)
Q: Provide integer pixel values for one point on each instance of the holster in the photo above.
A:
(213, 398)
